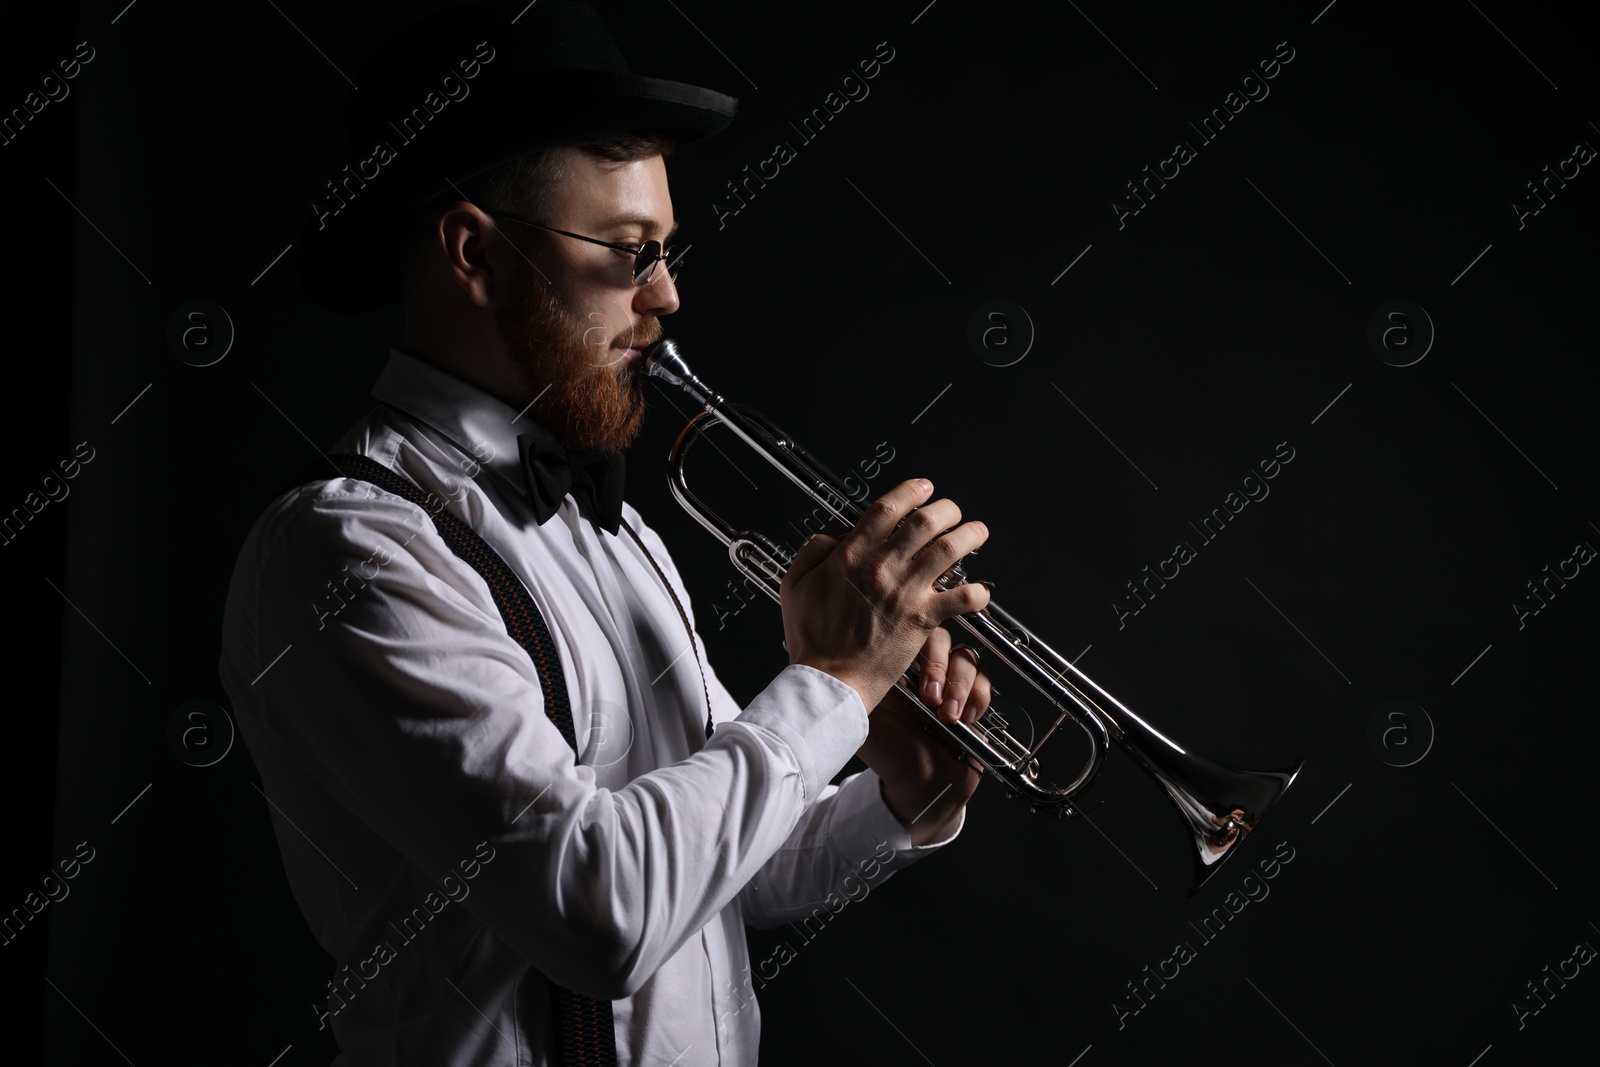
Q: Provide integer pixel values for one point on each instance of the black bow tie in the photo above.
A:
(592, 476)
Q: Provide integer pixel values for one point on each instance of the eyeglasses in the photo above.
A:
(645, 257)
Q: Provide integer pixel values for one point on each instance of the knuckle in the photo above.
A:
(879, 579)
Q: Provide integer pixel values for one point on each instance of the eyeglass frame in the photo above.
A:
(638, 253)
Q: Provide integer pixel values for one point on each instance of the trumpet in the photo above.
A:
(1220, 806)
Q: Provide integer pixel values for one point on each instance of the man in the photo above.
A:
(492, 891)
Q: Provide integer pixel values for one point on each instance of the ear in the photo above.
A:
(479, 259)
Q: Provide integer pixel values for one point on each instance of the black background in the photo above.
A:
(1221, 320)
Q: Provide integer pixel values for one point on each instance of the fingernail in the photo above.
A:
(937, 689)
(926, 485)
(951, 710)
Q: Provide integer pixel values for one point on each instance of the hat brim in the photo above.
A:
(342, 260)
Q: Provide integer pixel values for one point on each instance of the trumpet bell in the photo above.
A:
(1220, 806)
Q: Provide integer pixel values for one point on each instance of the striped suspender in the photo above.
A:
(584, 1036)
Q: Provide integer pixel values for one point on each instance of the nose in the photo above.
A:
(658, 296)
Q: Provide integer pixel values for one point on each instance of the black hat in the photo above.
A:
(458, 93)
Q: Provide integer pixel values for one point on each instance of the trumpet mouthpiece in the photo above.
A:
(661, 360)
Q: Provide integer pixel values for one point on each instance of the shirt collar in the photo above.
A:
(477, 423)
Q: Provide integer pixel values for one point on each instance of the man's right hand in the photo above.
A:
(860, 607)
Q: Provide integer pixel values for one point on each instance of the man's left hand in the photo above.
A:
(925, 784)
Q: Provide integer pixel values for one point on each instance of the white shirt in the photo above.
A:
(444, 844)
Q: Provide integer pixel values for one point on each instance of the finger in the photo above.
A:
(946, 549)
(883, 513)
(922, 525)
(815, 549)
(932, 666)
(979, 698)
(961, 673)
(963, 599)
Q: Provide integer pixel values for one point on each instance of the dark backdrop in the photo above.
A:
(1154, 360)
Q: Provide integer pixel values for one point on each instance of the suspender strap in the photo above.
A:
(684, 615)
(584, 1036)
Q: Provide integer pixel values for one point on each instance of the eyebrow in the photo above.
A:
(641, 220)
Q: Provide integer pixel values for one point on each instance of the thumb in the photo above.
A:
(813, 551)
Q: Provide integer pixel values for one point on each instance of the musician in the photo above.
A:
(492, 889)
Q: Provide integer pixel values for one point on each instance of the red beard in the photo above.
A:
(591, 396)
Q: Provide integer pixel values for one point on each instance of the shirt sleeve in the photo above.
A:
(414, 708)
(847, 843)
(847, 838)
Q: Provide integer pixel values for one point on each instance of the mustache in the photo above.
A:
(641, 336)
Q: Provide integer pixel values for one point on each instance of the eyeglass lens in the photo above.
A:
(644, 264)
